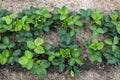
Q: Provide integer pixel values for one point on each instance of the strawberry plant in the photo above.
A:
(66, 39)
(28, 12)
(63, 12)
(14, 57)
(117, 25)
(75, 58)
(66, 20)
(26, 60)
(86, 14)
(4, 12)
(9, 18)
(96, 45)
(97, 16)
(113, 43)
(60, 63)
(40, 67)
(41, 16)
(96, 31)
(93, 49)
(71, 55)
(17, 32)
(112, 57)
(23, 23)
(36, 45)
(6, 22)
(6, 43)
(24, 36)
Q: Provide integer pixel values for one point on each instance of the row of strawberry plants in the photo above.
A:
(20, 40)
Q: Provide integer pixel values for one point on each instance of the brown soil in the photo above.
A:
(17, 73)
(105, 6)
(89, 71)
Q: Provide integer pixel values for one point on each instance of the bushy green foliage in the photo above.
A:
(36, 45)
(86, 14)
(96, 31)
(97, 16)
(14, 57)
(5, 43)
(93, 49)
(72, 56)
(112, 43)
(20, 40)
(26, 60)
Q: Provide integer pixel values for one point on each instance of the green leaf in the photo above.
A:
(90, 51)
(117, 54)
(3, 60)
(44, 63)
(13, 15)
(99, 59)
(0, 38)
(114, 16)
(116, 40)
(39, 50)
(26, 27)
(30, 44)
(3, 46)
(65, 53)
(92, 58)
(79, 23)
(72, 33)
(76, 53)
(83, 12)
(118, 28)
(7, 19)
(96, 45)
(42, 72)
(24, 18)
(66, 10)
(93, 27)
(71, 61)
(98, 22)
(28, 34)
(79, 61)
(108, 41)
(5, 53)
(100, 30)
(62, 17)
(29, 65)
(11, 45)
(55, 62)
(47, 15)
(48, 47)
(72, 73)
(39, 41)
(11, 60)
(5, 40)
(89, 12)
(61, 67)
(23, 60)
(16, 52)
(114, 47)
(51, 58)
(97, 16)
(28, 54)
(100, 46)
(35, 69)
(95, 34)
(112, 60)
